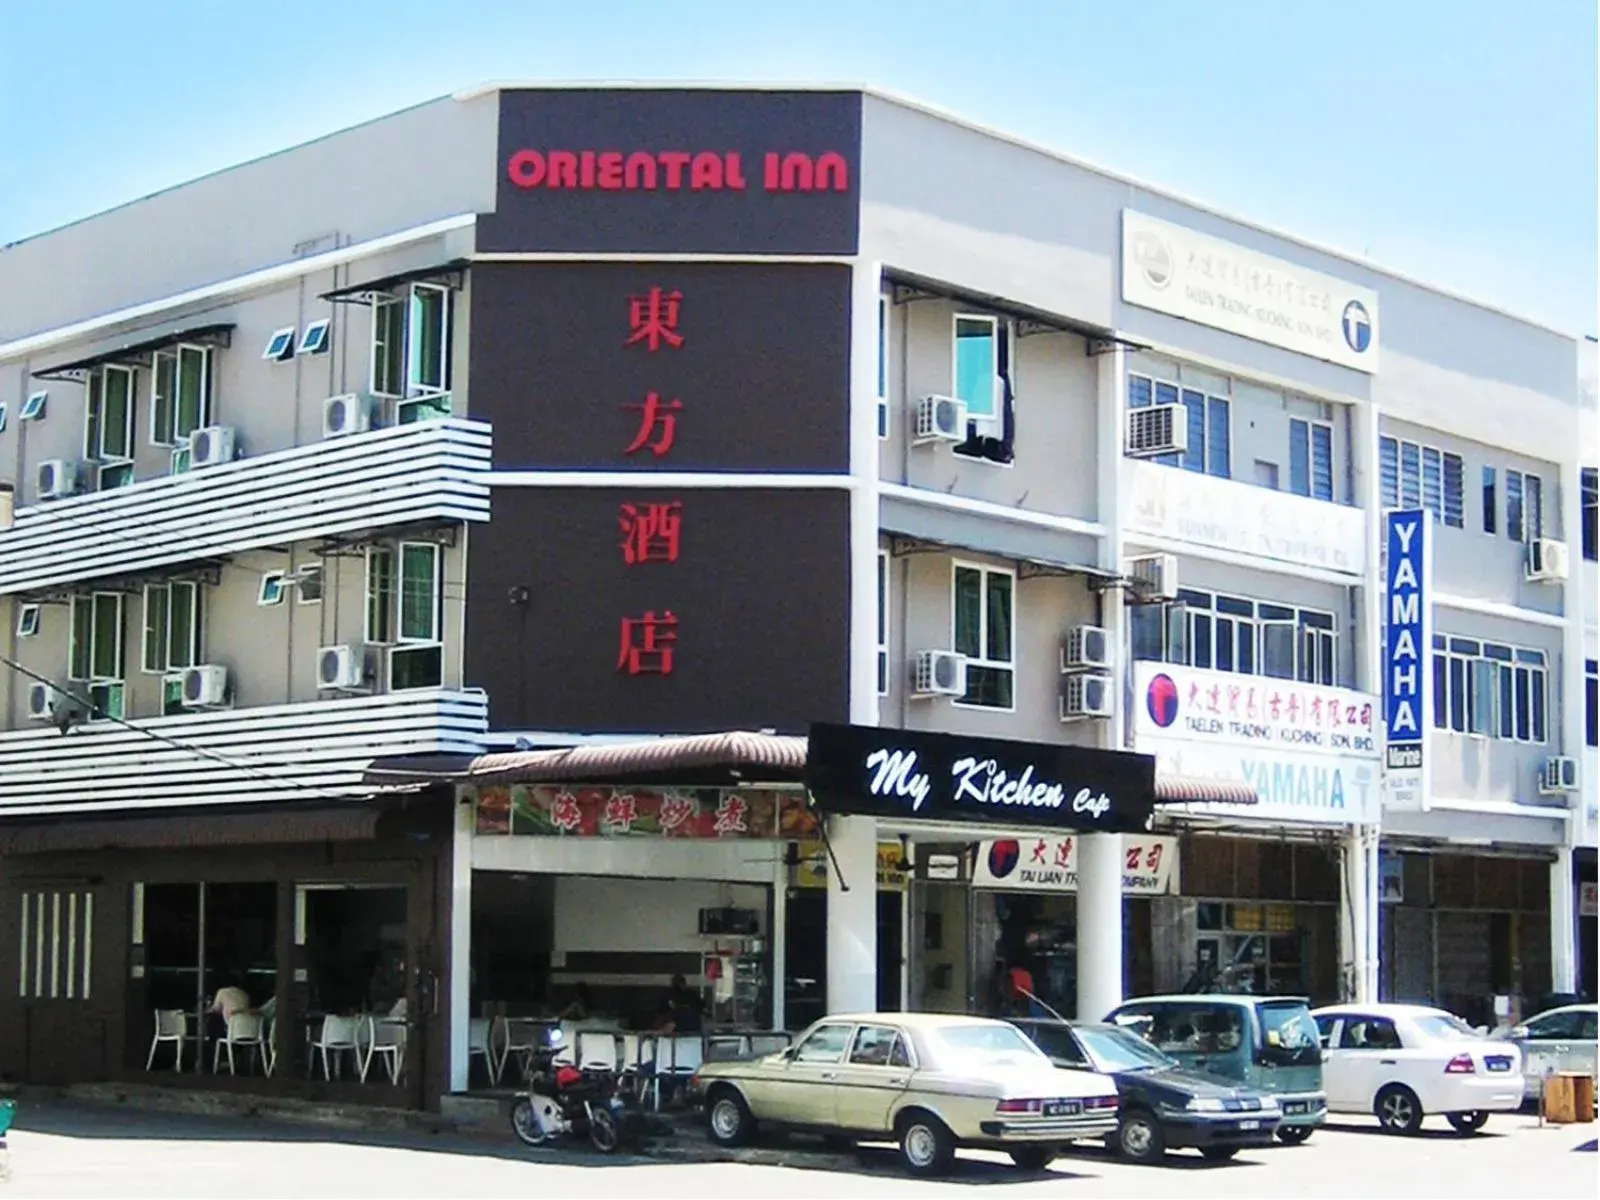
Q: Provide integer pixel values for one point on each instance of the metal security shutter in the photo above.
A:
(1464, 947)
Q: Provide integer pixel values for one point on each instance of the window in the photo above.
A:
(411, 348)
(1208, 420)
(404, 594)
(1589, 479)
(1533, 506)
(1229, 633)
(271, 590)
(1369, 1033)
(108, 432)
(1416, 476)
(977, 365)
(985, 631)
(1487, 689)
(876, 1046)
(171, 627)
(1311, 458)
(1489, 504)
(883, 623)
(826, 1045)
(280, 346)
(33, 406)
(180, 394)
(1591, 703)
(27, 620)
(1514, 527)
(55, 945)
(315, 339)
(2, 417)
(308, 584)
(94, 654)
(883, 366)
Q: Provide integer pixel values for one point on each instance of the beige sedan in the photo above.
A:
(930, 1081)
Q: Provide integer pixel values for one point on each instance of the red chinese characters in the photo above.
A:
(658, 425)
(650, 532)
(730, 816)
(653, 319)
(622, 810)
(565, 812)
(646, 643)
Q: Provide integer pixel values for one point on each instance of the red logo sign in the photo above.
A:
(674, 171)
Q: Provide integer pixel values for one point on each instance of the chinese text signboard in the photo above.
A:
(1050, 864)
(578, 810)
(1175, 701)
(663, 170)
(1407, 658)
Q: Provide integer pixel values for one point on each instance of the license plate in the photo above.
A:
(1294, 1106)
(1063, 1108)
(1246, 1126)
(1497, 1063)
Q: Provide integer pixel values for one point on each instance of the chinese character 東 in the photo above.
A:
(650, 532)
(646, 642)
(653, 319)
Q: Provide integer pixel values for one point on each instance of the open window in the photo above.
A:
(404, 604)
(108, 429)
(411, 349)
(982, 365)
(985, 626)
(180, 398)
(95, 651)
(171, 627)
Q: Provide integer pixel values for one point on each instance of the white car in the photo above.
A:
(1562, 1039)
(1404, 1062)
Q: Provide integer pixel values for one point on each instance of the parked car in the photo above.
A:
(1164, 1106)
(930, 1081)
(1405, 1062)
(1266, 1043)
(1562, 1039)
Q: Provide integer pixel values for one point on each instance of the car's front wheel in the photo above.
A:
(1033, 1158)
(1468, 1122)
(1398, 1110)
(1140, 1137)
(926, 1145)
(728, 1118)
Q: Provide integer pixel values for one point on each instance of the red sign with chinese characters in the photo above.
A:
(576, 810)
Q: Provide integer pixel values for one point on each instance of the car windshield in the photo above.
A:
(1444, 1027)
(990, 1045)
(1288, 1033)
(1112, 1050)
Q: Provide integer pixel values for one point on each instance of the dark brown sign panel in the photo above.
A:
(663, 366)
(661, 610)
(634, 170)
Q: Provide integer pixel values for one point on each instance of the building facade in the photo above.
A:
(535, 417)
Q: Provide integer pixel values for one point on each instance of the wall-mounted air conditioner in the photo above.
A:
(938, 673)
(57, 477)
(938, 419)
(211, 446)
(1154, 576)
(345, 669)
(1087, 648)
(1558, 775)
(1087, 696)
(1548, 561)
(350, 413)
(204, 686)
(1157, 429)
(41, 702)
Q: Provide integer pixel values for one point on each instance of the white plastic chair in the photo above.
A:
(389, 1044)
(518, 1035)
(269, 1046)
(478, 1029)
(597, 1050)
(172, 1025)
(341, 1034)
(243, 1029)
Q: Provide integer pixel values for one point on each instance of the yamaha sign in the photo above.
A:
(1407, 658)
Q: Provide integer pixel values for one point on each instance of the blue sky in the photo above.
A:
(1453, 140)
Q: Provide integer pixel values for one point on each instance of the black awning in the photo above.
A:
(448, 273)
(908, 285)
(271, 824)
(138, 353)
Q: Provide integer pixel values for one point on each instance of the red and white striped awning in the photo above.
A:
(1190, 789)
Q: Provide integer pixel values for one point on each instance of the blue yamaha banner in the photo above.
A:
(1407, 657)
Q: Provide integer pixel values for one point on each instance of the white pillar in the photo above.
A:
(1563, 925)
(1352, 916)
(1372, 838)
(778, 940)
(1099, 925)
(459, 1011)
(853, 915)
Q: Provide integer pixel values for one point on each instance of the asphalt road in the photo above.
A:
(83, 1151)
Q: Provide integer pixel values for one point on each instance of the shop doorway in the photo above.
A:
(806, 975)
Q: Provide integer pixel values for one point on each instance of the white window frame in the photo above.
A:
(164, 662)
(301, 573)
(997, 388)
(94, 425)
(280, 346)
(1327, 636)
(883, 367)
(883, 622)
(180, 356)
(317, 337)
(91, 599)
(1311, 458)
(269, 593)
(33, 408)
(1483, 671)
(29, 617)
(1401, 444)
(406, 388)
(404, 643)
(985, 570)
(368, 632)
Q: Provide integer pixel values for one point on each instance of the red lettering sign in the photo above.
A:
(674, 171)
(658, 425)
(645, 643)
(653, 319)
(650, 532)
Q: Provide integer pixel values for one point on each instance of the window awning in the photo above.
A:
(1190, 789)
(138, 353)
(449, 274)
(908, 285)
(355, 821)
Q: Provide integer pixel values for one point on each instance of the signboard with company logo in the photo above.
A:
(1407, 658)
(812, 869)
(1291, 786)
(911, 775)
(1220, 707)
(1199, 278)
(1050, 864)
(1186, 506)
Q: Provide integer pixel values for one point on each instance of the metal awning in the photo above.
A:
(353, 822)
(450, 274)
(908, 285)
(138, 353)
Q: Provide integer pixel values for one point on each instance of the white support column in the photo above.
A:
(1563, 925)
(1100, 854)
(1352, 914)
(778, 939)
(459, 982)
(1361, 877)
(1371, 837)
(853, 915)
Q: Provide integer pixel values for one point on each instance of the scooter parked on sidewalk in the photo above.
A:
(561, 1101)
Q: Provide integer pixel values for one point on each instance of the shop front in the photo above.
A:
(1274, 894)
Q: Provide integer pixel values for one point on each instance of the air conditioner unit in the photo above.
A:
(350, 413)
(1088, 696)
(1086, 648)
(211, 446)
(1157, 429)
(204, 686)
(939, 419)
(1547, 561)
(1558, 775)
(938, 673)
(41, 702)
(57, 478)
(1155, 577)
(344, 669)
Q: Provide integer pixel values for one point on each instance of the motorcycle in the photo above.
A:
(563, 1101)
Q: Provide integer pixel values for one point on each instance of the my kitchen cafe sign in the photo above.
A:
(909, 775)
